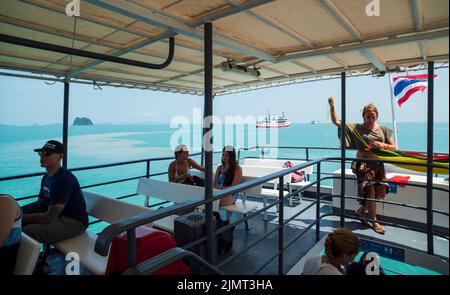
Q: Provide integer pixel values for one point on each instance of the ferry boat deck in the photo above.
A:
(252, 262)
(181, 47)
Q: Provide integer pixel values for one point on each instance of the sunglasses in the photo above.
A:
(44, 153)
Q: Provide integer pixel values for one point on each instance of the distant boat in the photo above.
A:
(315, 121)
(273, 122)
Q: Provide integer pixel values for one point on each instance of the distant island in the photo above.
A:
(82, 122)
(315, 121)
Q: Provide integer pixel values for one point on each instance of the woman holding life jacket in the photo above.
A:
(366, 137)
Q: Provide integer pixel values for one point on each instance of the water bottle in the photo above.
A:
(221, 180)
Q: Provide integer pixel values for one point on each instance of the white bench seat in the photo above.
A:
(292, 186)
(84, 246)
(27, 256)
(252, 172)
(109, 210)
(166, 223)
(279, 163)
(239, 207)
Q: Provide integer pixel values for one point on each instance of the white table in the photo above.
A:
(408, 194)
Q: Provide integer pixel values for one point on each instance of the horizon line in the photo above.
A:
(168, 123)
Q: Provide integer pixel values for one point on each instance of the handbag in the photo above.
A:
(359, 167)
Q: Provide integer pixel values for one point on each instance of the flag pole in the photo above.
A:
(394, 122)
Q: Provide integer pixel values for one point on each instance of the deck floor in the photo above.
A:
(252, 260)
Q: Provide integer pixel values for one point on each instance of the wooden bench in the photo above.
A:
(111, 211)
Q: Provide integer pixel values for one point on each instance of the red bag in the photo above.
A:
(149, 242)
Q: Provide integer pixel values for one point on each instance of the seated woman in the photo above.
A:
(341, 248)
(10, 233)
(228, 174)
(179, 170)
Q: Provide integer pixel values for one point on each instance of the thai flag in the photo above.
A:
(405, 86)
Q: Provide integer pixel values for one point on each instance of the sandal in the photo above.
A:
(378, 228)
(364, 222)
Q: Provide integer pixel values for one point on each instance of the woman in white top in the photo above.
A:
(341, 247)
(179, 170)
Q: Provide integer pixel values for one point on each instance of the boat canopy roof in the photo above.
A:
(257, 43)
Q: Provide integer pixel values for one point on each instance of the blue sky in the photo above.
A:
(26, 102)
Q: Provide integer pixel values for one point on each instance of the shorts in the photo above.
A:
(368, 174)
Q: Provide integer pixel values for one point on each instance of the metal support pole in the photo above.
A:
(147, 173)
(281, 225)
(343, 122)
(430, 119)
(131, 239)
(66, 122)
(318, 203)
(202, 159)
(207, 144)
(307, 159)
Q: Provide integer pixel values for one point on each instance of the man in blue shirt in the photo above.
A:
(60, 212)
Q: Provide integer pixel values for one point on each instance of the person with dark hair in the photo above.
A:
(228, 174)
(180, 169)
(10, 233)
(341, 248)
(60, 212)
(371, 176)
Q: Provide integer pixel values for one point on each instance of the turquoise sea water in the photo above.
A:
(102, 144)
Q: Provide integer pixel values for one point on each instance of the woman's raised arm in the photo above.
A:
(334, 118)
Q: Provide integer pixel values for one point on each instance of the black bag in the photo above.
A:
(198, 181)
(359, 268)
(225, 239)
(42, 267)
(194, 180)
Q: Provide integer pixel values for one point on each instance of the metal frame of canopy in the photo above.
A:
(295, 40)
(208, 38)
